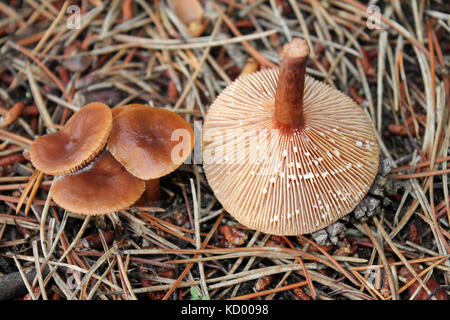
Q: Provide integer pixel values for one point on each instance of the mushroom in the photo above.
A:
(145, 141)
(152, 191)
(190, 12)
(251, 66)
(76, 144)
(286, 154)
(103, 186)
(116, 110)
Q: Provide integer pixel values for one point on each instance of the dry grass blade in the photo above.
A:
(28, 188)
(400, 255)
(267, 292)
(190, 265)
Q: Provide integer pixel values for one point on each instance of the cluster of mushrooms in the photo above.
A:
(320, 160)
(107, 159)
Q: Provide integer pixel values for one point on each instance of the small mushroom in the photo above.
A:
(76, 144)
(190, 12)
(104, 186)
(152, 191)
(146, 141)
(286, 154)
(251, 66)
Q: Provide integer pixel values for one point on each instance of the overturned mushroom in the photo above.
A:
(146, 141)
(76, 144)
(286, 154)
(104, 186)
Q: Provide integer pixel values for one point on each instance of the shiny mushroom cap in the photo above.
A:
(290, 176)
(76, 144)
(150, 142)
(104, 186)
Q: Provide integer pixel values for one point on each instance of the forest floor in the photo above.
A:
(391, 58)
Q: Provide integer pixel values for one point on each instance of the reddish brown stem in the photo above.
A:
(151, 194)
(291, 83)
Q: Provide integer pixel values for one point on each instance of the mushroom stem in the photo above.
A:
(151, 194)
(291, 82)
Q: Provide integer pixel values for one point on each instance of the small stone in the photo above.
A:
(386, 165)
(376, 190)
(360, 211)
(335, 229)
(329, 235)
(373, 203)
(366, 208)
(320, 237)
(333, 239)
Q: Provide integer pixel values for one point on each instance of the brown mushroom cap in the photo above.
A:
(188, 11)
(150, 142)
(287, 180)
(104, 186)
(76, 144)
(116, 110)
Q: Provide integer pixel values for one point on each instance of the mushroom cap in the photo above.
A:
(151, 194)
(146, 141)
(104, 186)
(188, 10)
(287, 181)
(76, 144)
(116, 110)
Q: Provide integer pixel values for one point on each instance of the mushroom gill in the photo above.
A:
(285, 162)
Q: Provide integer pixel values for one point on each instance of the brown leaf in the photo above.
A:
(432, 284)
(264, 282)
(233, 235)
(11, 159)
(413, 235)
(300, 293)
(94, 241)
(172, 91)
